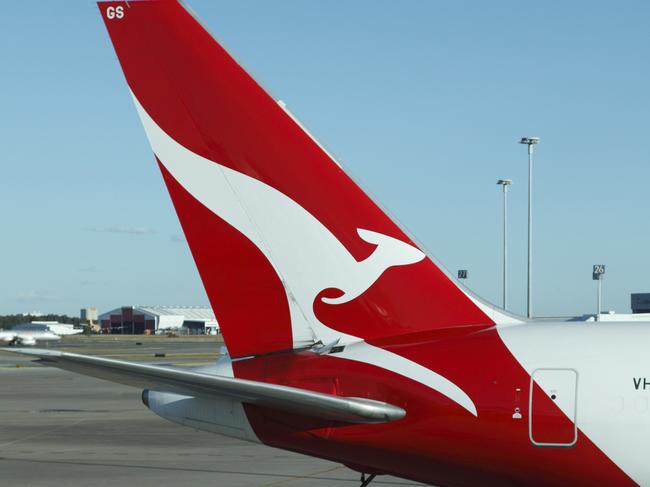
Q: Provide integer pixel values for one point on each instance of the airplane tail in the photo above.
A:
(290, 250)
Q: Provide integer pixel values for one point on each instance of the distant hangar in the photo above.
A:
(138, 320)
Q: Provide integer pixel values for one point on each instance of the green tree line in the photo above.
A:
(9, 321)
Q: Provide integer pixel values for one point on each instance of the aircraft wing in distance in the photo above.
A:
(199, 384)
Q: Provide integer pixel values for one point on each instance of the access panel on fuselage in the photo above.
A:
(553, 407)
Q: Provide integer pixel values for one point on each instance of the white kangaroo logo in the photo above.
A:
(307, 257)
(389, 252)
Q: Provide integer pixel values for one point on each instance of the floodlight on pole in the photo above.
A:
(530, 142)
(505, 183)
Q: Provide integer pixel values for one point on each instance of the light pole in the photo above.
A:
(597, 275)
(505, 183)
(530, 142)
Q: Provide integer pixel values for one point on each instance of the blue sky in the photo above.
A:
(422, 101)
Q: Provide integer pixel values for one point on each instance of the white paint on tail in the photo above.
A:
(307, 257)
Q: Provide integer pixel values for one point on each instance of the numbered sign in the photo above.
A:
(599, 272)
(462, 274)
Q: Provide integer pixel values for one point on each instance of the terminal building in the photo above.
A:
(138, 320)
(88, 315)
(640, 303)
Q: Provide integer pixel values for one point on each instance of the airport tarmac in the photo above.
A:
(63, 429)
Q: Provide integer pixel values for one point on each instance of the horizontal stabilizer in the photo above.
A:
(292, 399)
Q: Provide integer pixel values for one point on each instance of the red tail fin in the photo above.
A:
(290, 250)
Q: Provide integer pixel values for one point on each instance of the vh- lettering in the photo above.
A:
(641, 383)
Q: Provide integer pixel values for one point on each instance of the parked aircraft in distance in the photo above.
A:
(346, 341)
(27, 337)
(55, 327)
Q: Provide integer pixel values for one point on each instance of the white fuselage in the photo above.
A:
(9, 337)
(610, 365)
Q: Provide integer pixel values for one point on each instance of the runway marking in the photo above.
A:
(181, 469)
(302, 477)
(42, 433)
